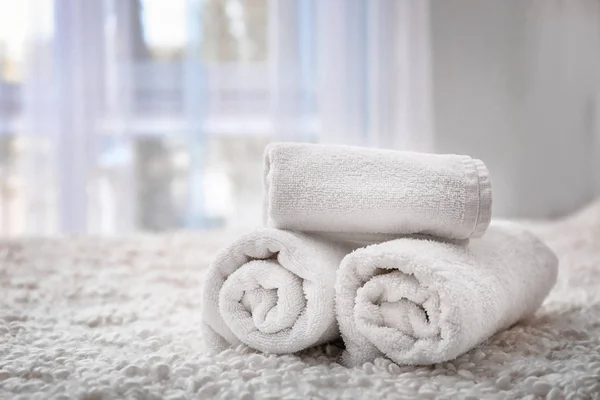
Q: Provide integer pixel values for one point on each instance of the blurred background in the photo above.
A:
(150, 115)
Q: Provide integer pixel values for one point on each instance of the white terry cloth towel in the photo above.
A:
(422, 302)
(355, 190)
(272, 290)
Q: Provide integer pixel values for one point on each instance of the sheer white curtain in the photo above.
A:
(152, 114)
(374, 73)
(126, 115)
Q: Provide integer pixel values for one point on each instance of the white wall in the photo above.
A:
(515, 83)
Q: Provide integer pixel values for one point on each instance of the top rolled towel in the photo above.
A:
(354, 190)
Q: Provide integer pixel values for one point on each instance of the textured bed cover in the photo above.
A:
(93, 318)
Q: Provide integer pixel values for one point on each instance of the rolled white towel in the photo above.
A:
(354, 190)
(272, 290)
(422, 302)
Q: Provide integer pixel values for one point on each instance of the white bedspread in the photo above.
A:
(94, 318)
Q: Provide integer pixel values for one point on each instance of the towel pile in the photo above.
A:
(383, 248)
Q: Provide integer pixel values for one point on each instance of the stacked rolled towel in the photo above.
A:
(354, 190)
(418, 293)
(425, 301)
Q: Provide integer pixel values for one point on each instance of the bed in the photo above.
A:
(93, 318)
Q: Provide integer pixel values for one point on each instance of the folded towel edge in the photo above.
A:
(484, 215)
(478, 213)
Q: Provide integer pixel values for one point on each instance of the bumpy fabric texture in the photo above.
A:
(89, 318)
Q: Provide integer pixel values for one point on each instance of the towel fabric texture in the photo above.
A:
(423, 301)
(354, 190)
(274, 291)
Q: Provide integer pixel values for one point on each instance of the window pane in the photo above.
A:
(234, 30)
(164, 27)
